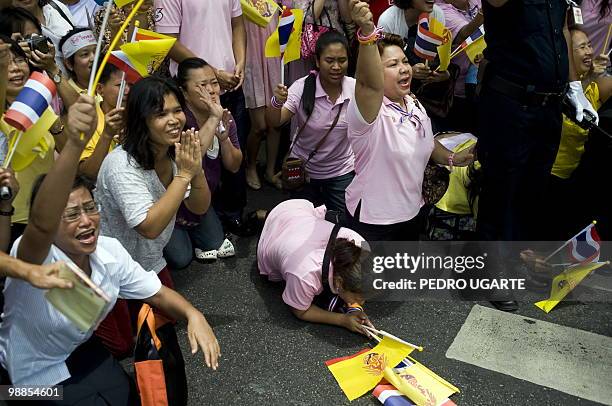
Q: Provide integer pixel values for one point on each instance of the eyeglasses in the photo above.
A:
(73, 214)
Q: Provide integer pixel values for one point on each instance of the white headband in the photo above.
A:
(77, 41)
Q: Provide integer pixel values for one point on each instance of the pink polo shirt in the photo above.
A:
(390, 158)
(291, 248)
(203, 26)
(335, 157)
(455, 20)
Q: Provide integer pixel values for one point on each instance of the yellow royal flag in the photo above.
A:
(565, 282)
(420, 384)
(436, 26)
(147, 55)
(475, 48)
(121, 3)
(142, 34)
(34, 142)
(360, 373)
(292, 51)
(444, 50)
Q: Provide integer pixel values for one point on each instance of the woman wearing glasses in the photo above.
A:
(38, 345)
(391, 137)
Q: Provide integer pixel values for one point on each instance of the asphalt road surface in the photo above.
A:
(271, 358)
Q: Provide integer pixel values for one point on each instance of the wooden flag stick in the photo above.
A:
(282, 72)
(11, 152)
(391, 336)
(605, 44)
(94, 67)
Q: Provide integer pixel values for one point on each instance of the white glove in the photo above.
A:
(580, 102)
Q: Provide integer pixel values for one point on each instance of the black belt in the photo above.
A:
(526, 95)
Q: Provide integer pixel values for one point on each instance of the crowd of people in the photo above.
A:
(140, 180)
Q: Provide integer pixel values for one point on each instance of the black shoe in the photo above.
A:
(505, 305)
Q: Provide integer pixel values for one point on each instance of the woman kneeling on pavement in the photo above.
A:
(38, 345)
(391, 136)
(298, 245)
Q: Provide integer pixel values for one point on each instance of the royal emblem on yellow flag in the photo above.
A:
(147, 55)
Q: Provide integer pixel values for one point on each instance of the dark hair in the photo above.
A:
(13, 19)
(604, 10)
(79, 181)
(346, 262)
(65, 38)
(326, 39)
(184, 68)
(107, 72)
(16, 50)
(146, 99)
(388, 40)
(403, 4)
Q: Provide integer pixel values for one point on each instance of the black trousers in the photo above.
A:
(404, 231)
(231, 197)
(96, 379)
(517, 146)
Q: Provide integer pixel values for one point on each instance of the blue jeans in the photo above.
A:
(208, 235)
(326, 191)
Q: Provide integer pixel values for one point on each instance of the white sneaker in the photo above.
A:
(206, 255)
(226, 249)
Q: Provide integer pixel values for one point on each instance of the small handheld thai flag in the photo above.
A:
(123, 63)
(475, 36)
(31, 102)
(585, 246)
(426, 42)
(285, 28)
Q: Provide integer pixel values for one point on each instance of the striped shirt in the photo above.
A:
(36, 340)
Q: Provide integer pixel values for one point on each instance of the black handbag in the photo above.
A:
(437, 97)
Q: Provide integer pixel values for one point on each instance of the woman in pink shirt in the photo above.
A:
(392, 139)
(294, 243)
(318, 101)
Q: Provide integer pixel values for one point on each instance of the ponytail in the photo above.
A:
(308, 95)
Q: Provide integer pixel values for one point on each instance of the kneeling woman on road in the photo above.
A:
(40, 346)
(391, 136)
(292, 248)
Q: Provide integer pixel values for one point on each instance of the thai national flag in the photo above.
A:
(585, 246)
(475, 36)
(123, 63)
(426, 42)
(389, 396)
(285, 28)
(31, 102)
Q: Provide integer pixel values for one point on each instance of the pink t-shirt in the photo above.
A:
(335, 157)
(291, 248)
(390, 158)
(455, 20)
(204, 26)
(594, 26)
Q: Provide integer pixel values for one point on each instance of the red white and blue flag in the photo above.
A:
(475, 36)
(31, 102)
(285, 28)
(426, 43)
(123, 63)
(388, 395)
(585, 246)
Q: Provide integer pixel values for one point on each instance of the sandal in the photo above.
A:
(274, 181)
(207, 256)
(226, 249)
(252, 179)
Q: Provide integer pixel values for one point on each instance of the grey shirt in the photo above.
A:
(125, 193)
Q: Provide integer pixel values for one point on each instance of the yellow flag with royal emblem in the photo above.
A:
(147, 55)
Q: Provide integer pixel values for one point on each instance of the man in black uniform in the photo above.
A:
(525, 79)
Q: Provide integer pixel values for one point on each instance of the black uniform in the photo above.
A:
(520, 121)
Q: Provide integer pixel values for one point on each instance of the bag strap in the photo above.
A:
(146, 315)
(298, 136)
(326, 134)
(327, 255)
(57, 8)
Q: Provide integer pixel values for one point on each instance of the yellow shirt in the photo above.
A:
(35, 158)
(573, 139)
(80, 90)
(93, 141)
(456, 200)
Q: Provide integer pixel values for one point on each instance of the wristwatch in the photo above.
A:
(8, 213)
(57, 78)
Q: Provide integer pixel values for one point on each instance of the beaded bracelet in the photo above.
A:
(369, 39)
(451, 157)
(275, 103)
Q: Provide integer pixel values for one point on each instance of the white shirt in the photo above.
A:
(83, 12)
(36, 339)
(56, 27)
(393, 20)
